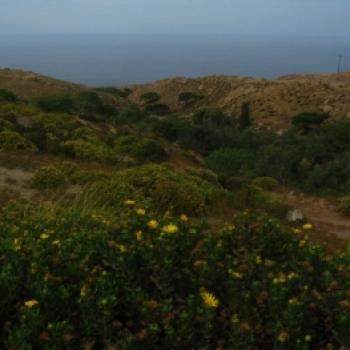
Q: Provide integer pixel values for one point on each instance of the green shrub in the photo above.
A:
(49, 177)
(179, 197)
(205, 174)
(51, 104)
(13, 141)
(159, 109)
(75, 279)
(188, 97)
(229, 161)
(13, 110)
(169, 189)
(131, 113)
(308, 120)
(344, 205)
(7, 125)
(150, 151)
(266, 183)
(244, 118)
(150, 97)
(7, 96)
(166, 129)
(144, 150)
(234, 183)
(87, 150)
(88, 104)
(124, 93)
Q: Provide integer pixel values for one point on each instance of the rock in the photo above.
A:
(294, 215)
(24, 121)
(327, 109)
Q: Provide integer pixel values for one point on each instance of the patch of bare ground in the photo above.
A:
(331, 228)
(15, 183)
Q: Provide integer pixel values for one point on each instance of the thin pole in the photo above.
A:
(340, 59)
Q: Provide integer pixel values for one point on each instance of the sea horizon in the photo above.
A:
(123, 59)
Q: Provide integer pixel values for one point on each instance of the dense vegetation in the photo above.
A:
(124, 246)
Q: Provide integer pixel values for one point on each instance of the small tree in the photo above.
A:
(150, 97)
(307, 121)
(244, 119)
(7, 96)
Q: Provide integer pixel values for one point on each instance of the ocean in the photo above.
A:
(118, 59)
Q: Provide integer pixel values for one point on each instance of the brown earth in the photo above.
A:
(331, 228)
(29, 84)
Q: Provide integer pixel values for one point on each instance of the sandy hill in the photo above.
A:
(29, 84)
(273, 102)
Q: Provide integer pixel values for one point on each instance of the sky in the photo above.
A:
(241, 17)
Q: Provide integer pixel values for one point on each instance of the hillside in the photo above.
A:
(129, 226)
(29, 84)
(273, 102)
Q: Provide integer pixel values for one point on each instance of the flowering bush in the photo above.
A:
(13, 141)
(130, 280)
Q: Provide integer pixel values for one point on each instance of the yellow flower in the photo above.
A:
(17, 244)
(56, 242)
(302, 243)
(209, 299)
(237, 275)
(276, 280)
(308, 338)
(258, 259)
(153, 224)
(44, 236)
(235, 318)
(292, 275)
(83, 291)
(293, 301)
(140, 212)
(307, 227)
(139, 235)
(170, 229)
(122, 248)
(184, 217)
(296, 231)
(283, 336)
(129, 202)
(31, 303)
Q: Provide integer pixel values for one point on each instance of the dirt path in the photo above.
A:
(332, 228)
(14, 183)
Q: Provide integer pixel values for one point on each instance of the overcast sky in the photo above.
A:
(282, 17)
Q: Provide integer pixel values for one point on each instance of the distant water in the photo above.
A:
(124, 59)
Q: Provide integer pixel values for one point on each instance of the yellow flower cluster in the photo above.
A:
(139, 235)
(170, 229)
(296, 231)
(153, 224)
(141, 212)
(209, 299)
(293, 301)
(283, 336)
(31, 303)
(307, 227)
(129, 203)
(184, 217)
